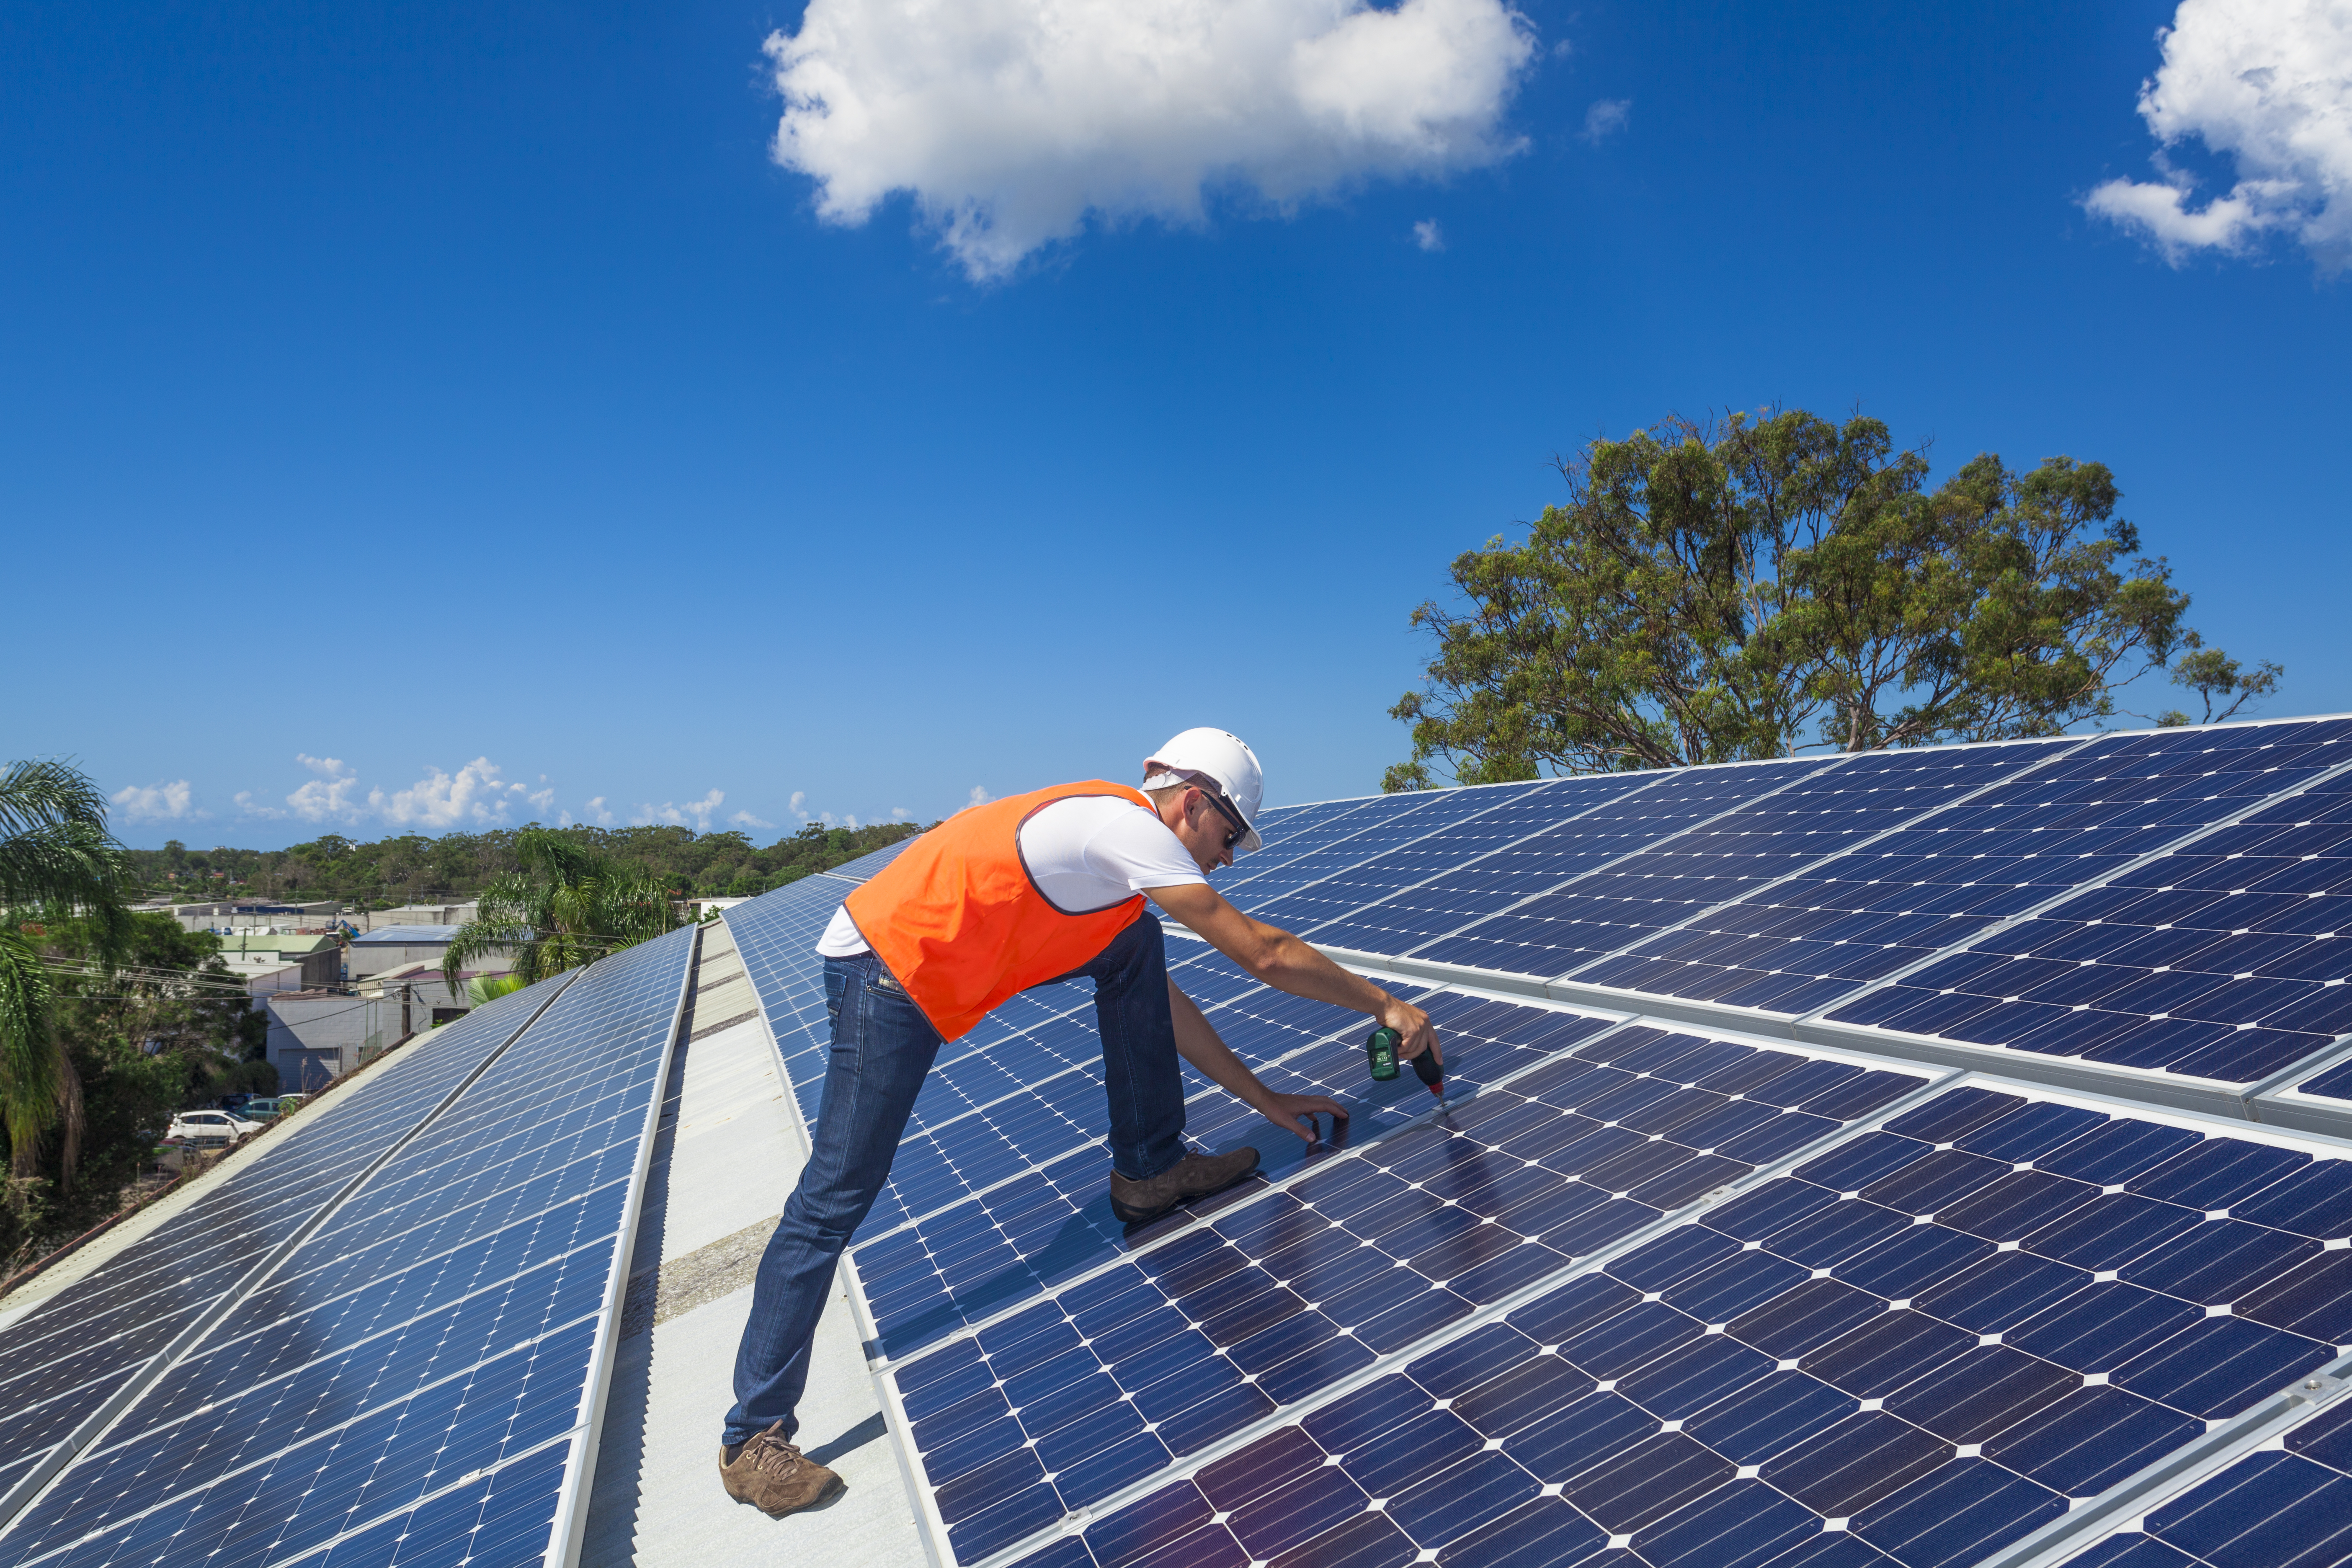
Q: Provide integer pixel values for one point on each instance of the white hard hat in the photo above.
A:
(1218, 757)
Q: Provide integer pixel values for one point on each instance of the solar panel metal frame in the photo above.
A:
(580, 1465)
(2286, 1103)
(28, 1487)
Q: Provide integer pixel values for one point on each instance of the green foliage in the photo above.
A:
(410, 868)
(1751, 588)
(566, 906)
(57, 859)
(2221, 682)
(165, 1028)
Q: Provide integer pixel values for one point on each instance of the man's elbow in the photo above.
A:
(1268, 955)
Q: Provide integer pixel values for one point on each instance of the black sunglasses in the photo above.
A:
(1241, 828)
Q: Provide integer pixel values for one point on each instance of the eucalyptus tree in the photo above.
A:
(564, 907)
(57, 861)
(1750, 588)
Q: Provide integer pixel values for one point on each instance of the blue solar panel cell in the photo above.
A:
(2217, 958)
(443, 1324)
(1763, 1383)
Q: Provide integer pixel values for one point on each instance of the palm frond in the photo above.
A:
(28, 1058)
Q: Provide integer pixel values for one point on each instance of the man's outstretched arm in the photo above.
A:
(1278, 959)
(1197, 1042)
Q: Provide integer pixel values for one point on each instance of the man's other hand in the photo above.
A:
(1296, 1113)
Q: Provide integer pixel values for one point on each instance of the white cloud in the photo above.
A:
(1605, 119)
(1428, 236)
(1010, 121)
(154, 802)
(473, 797)
(250, 805)
(800, 799)
(332, 795)
(2269, 83)
(598, 812)
(745, 819)
(699, 811)
(899, 813)
(980, 797)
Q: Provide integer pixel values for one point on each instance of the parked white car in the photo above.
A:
(211, 1127)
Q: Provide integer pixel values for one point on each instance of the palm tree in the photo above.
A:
(55, 858)
(567, 906)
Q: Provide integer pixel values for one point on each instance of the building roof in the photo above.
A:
(409, 936)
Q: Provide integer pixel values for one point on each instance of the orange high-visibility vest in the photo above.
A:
(961, 923)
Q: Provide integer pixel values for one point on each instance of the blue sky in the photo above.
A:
(401, 387)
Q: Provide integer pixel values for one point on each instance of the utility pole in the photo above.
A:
(407, 990)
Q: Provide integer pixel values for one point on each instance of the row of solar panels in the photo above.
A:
(384, 1335)
(1710, 1258)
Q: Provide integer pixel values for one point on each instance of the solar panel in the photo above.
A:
(66, 1366)
(1918, 1346)
(428, 1365)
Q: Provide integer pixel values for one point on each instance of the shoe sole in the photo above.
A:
(833, 1489)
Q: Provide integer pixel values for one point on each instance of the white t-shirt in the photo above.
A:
(1086, 854)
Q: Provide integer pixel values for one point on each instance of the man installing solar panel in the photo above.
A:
(1020, 892)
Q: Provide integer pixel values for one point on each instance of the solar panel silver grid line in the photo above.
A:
(1646, 848)
(1190, 1464)
(1812, 867)
(29, 1486)
(2172, 846)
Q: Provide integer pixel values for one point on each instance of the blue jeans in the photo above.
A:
(883, 1048)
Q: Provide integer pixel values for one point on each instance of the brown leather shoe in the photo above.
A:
(1193, 1176)
(773, 1476)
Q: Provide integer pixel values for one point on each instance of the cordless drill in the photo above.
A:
(1381, 1051)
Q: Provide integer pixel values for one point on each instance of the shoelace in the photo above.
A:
(770, 1454)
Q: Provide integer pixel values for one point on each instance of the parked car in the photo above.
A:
(287, 1104)
(256, 1109)
(210, 1129)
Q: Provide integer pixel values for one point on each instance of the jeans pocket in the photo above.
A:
(884, 983)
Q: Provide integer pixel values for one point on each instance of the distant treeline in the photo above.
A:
(413, 869)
